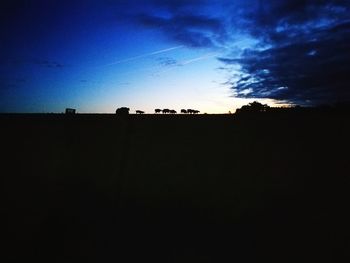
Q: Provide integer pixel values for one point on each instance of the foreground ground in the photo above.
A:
(205, 188)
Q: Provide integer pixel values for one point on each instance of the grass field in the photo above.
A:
(176, 188)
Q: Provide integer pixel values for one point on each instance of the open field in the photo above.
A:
(176, 188)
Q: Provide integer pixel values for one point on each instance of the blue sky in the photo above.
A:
(214, 56)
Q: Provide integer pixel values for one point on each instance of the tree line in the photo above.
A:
(125, 110)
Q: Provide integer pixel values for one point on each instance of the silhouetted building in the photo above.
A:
(70, 111)
(140, 112)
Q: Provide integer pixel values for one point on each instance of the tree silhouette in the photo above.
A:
(191, 111)
(253, 107)
(122, 111)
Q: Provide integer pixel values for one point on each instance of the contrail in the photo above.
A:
(180, 63)
(189, 61)
(206, 56)
(144, 55)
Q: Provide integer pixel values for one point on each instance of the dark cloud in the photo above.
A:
(190, 30)
(301, 72)
(300, 53)
(303, 56)
(278, 21)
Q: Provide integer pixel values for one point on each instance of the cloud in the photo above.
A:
(144, 55)
(205, 56)
(281, 21)
(299, 72)
(167, 61)
(307, 56)
(291, 50)
(170, 63)
(190, 30)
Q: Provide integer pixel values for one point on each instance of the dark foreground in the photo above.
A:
(206, 188)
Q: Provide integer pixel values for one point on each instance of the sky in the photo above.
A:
(210, 55)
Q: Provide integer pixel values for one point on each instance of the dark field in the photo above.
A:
(205, 188)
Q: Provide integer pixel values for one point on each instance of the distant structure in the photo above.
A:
(165, 111)
(183, 111)
(122, 111)
(70, 111)
(140, 112)
(157, 111)
(172, 112)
